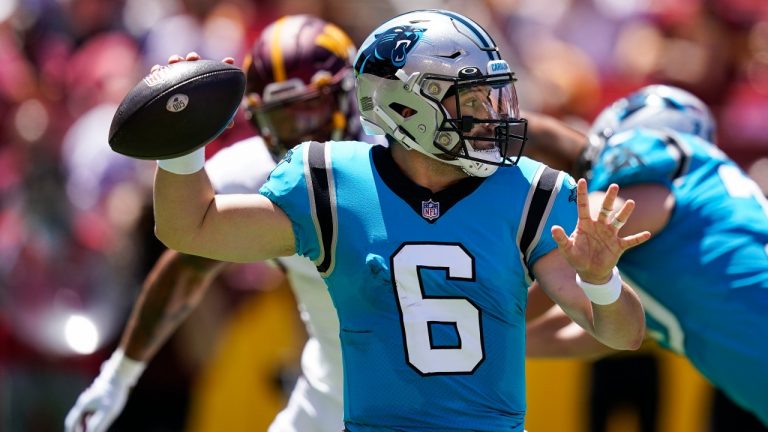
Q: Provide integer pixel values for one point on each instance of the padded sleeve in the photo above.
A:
(241, 168)
(640, 156)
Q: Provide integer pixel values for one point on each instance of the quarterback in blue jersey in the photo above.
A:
(427, 246)
(300, 86)
(703, 277)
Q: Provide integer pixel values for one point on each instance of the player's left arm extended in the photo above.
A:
(601, 303)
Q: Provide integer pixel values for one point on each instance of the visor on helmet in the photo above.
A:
(483, 119)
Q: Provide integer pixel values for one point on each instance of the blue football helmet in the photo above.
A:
(656, 107)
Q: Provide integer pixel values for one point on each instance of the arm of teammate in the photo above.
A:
(591, 252)
(654, 204)
(558, 145)
(553, 142)
(173, 288)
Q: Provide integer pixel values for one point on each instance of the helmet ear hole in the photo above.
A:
(402, 110)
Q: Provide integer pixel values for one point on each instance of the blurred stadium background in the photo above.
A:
(76, 236)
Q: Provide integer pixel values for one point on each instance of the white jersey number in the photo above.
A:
(675, 336)
(418, 311)
(739, 185)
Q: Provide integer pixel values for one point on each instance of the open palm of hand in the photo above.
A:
(594, 247)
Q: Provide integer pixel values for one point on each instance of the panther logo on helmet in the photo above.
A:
(388, 52)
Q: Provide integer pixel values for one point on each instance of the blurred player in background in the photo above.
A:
(703, 276)
(299, 88)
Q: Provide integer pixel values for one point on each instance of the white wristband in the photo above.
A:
(187, 164)
(121, 369)
(603, 294)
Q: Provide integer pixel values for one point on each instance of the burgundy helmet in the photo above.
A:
(300, 82)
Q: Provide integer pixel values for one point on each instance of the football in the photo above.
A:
(177, 109)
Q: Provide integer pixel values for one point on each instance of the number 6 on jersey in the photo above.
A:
(418, 312)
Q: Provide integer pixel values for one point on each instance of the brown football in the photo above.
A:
(177, 109)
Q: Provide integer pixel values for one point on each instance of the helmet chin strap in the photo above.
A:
(470, 167)
(477, 168)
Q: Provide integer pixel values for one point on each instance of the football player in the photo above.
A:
(427, 245)
(703, 277)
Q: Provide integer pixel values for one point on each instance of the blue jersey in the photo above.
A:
(704, 278)
(430, 289)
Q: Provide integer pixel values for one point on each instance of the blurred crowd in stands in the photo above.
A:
(76, 234)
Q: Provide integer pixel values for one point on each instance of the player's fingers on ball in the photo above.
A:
(175, 58)
(228, 60)
(192, 56)
(144, 108)
(231, 124)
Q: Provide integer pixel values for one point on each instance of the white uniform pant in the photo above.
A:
(309, 410)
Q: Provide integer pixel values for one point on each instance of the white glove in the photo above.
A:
(99, 405)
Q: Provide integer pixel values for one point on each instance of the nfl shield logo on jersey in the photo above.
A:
(430, 210)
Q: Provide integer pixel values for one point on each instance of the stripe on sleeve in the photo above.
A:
(541, 198)
(322, 201)
(683, 155)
